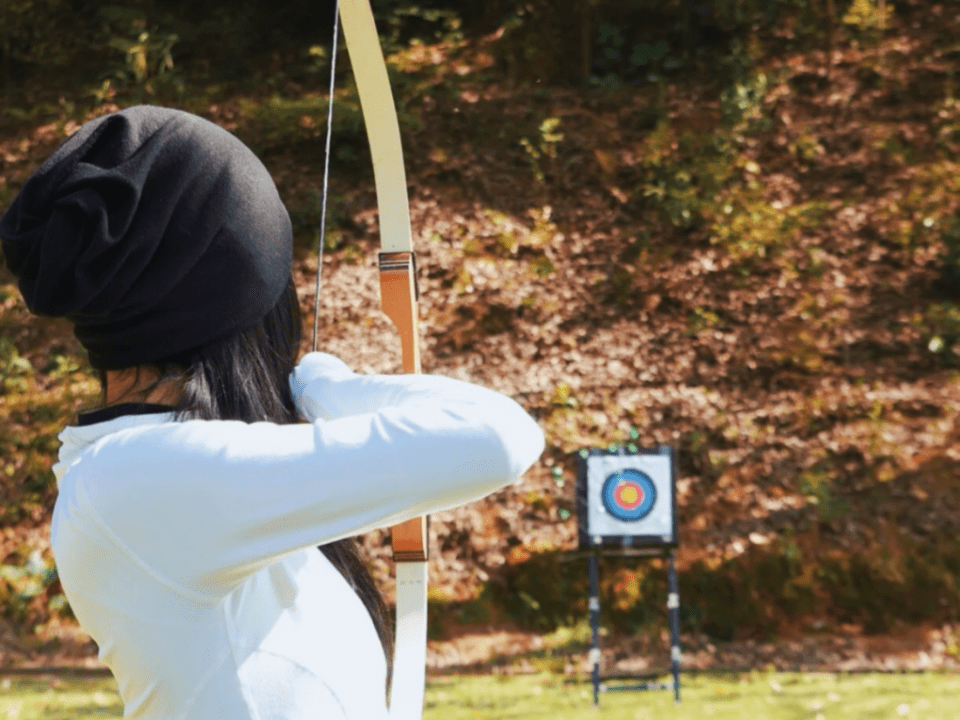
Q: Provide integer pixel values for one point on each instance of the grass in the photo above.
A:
(754, 696)
(52, 698)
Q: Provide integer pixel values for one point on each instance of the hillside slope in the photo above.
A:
(762, 274)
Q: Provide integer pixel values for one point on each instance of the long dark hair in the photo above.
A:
(246, 377)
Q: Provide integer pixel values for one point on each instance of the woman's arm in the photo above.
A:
(325, 388)
(207, 503)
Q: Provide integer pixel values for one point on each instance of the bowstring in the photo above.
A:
(326, 170)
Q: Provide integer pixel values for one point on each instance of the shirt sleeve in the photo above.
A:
(207, 503)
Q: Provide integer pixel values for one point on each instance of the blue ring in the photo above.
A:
(641, 510)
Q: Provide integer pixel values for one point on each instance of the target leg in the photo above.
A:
(594, 627)
(673, 606)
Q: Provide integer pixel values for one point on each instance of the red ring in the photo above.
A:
(626, 504)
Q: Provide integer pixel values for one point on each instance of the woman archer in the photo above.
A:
(191, 504)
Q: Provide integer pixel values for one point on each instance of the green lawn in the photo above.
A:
(549, 697)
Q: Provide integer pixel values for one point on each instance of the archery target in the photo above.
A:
(628, 498)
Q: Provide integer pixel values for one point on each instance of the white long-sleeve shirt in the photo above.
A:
(187, 549)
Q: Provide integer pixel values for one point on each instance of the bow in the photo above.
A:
(398, 299)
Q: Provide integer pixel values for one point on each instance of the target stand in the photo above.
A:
(626, 505)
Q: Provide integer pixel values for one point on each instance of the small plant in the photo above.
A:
(806, 146)
(563, 396)
(866, 15)
(950, 235)
(415, 25)
(617, 61)
(742, 103)
(543, 147)
(816, 485)
(748, 227)
(951, 638)
(148, 54)
(20, 584)
(700, 320)
(318, 60)
(14, 369)
(941, 324)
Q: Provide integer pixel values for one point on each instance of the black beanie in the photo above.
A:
(153, 231)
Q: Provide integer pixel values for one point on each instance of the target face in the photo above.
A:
(629, 495)
(626, 499)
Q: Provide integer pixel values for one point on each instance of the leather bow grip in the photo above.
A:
(398, 293)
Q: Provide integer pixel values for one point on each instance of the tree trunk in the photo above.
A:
(831, 11)
(586, 43)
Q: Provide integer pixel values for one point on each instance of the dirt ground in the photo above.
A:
(913, 649)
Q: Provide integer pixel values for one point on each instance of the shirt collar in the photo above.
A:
(114, 411)
(93, 425)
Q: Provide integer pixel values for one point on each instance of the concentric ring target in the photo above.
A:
(629, 494)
